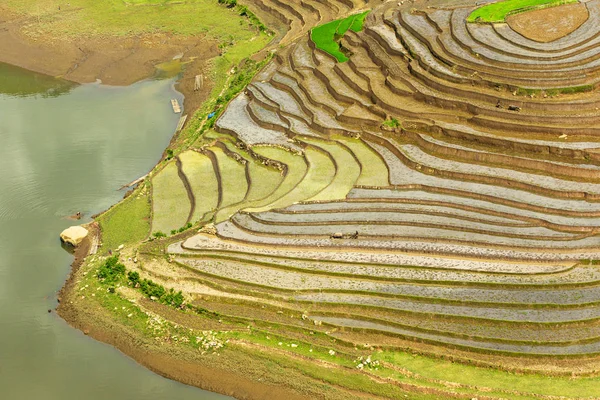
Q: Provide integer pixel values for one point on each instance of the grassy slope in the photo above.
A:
(129, 222)
(327, 35)
(117, 17)
(497, 12)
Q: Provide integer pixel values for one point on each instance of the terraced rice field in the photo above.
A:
(440, 188)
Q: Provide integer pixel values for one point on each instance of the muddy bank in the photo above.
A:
(113, 60)
(220, 374)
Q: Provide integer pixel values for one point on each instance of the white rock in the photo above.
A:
(74, 235)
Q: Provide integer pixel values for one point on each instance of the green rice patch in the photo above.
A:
(234, 185)
(346, 173)
(171, 205)
(263, 182)
(327, 36)
(199, 170)
(233, 178)
(321, 171)
(296, 171)
(373, 172)
(498, 12)
(127, 222)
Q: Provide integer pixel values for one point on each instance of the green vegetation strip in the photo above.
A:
(498, 12)
(76, 18)
(326, 37)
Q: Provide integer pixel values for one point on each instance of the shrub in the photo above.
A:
(111, 271)
(228, 3)
(185, 227)
(156, 291)
(392, 123)
(134, 278)
(159, 234)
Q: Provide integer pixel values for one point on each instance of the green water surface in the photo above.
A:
(67, 148)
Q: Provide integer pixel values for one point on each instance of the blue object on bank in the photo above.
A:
(212, 114)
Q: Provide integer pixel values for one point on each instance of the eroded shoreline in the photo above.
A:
(116, 61)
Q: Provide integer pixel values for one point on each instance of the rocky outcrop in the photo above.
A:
(74, 235)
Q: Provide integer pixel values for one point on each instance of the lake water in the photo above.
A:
(63, 149)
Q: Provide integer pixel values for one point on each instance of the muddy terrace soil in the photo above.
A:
(549, 24)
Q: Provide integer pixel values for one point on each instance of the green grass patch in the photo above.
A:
(492, 378)
(498, 12)
(117, 17)
(154, 291)
(171, 205)
(127, 222)
(327, 36)
(391, 123)
(111, 271)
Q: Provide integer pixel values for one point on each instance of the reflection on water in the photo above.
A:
(59, 155)
(16, 81)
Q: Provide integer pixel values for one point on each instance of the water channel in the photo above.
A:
(63, 149)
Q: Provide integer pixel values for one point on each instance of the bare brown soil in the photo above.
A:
(549, 24)
(113, 60)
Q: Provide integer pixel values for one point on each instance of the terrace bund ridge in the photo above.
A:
(440, 186)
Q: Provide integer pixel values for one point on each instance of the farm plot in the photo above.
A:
(438, 189)
(171, 204)
(326, 36)
(200, 172)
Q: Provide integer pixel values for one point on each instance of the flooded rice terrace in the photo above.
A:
(67, 148)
